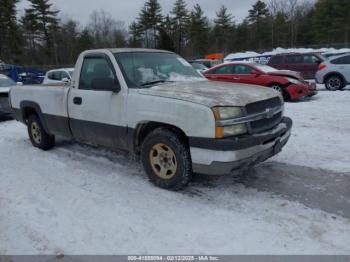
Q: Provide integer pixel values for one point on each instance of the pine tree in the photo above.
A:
(198, 31)
(258, 19)
(180, 19)
(10, 36)
(150, 19)
(223, 29)
(331, 21)
(45, 23)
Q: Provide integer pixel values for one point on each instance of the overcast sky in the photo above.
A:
(127, 10)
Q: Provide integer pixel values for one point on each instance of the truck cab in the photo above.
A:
(152, 103)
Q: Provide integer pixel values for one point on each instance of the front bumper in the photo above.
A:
(312, 87)
(222, 156)
(297, 91)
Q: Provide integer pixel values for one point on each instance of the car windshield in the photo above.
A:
(6, 82)
(144, 69)
(265, 68)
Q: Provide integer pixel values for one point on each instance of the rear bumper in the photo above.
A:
(220, 157)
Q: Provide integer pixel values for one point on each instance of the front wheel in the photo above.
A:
(38, 135)
(334, 83)
(166, 159)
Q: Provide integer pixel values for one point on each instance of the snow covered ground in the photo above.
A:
(77, 199)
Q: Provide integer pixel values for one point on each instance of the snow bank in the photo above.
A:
(255, 56)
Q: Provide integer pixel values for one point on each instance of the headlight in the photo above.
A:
(293, 81)
(223, 113)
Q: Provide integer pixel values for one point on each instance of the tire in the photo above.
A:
(334, 83)
(38, 135)
(166, 159)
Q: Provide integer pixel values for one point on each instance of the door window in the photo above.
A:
(311, 59)
(97, 73)
(54, 75)
(294, 59)
(242, 70)
(276, 60)
(223, 70)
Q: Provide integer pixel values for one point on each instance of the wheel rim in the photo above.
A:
(36, 132)
(163, 161)
(277, 88)
(334, 83)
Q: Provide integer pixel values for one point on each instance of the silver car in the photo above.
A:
(334, 72)
(5, 84)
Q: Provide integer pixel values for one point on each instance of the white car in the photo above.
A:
(5, 84)
(56, 76)
(153, 103)
(334, 72)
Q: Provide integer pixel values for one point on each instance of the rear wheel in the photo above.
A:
(334, 83)
(166, 159)
(38, 135)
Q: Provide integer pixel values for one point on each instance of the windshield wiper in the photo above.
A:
(155, 82)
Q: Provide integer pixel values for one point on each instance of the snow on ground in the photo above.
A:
(77, 199)
(321, 134)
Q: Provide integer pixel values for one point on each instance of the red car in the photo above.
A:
(289, 83)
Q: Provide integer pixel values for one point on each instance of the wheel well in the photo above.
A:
(142, 130)
(27, 111)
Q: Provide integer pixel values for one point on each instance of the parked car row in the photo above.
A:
(290, 84)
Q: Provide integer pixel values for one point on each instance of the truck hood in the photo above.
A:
(287, 73)
(212, 93)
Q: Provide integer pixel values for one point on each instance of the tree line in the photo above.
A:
(40, 37)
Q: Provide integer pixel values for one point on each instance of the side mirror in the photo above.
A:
(66, 80)
(105, 84)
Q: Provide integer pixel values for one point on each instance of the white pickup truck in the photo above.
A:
(153, 103)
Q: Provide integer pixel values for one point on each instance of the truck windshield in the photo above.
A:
(144, 69)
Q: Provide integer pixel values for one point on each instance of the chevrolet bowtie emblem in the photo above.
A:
(269, 113)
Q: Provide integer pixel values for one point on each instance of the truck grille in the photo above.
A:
(265, 124)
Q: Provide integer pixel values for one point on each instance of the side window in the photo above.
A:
(339, 61)
(311, 59)
(347, 60)
(294, 59)
(64, 74)
(54, 75)
(242, 70)
(97, 73)
(222, 70)
(276, 60)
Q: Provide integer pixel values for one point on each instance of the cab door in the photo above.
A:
(97, 104)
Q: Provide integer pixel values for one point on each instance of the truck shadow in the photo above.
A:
(315, 188)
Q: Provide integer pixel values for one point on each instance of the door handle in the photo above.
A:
(77, 100)
(236, 78)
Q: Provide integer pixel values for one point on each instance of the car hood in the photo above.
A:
(287, 73)
(212, 93)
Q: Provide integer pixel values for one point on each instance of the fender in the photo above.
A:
(37, 109)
